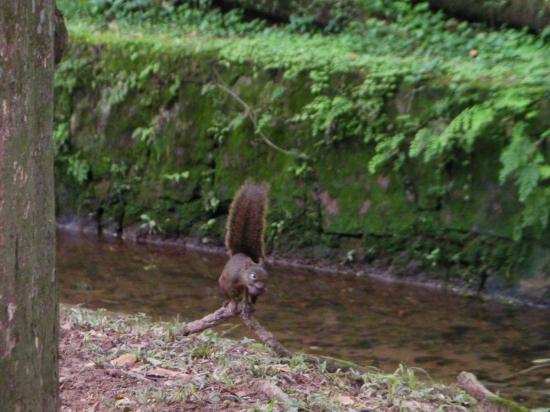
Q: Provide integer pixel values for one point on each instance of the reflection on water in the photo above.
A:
(357, 319)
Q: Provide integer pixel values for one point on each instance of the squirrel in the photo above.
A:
(244, 274)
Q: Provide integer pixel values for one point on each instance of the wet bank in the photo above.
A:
(369, 322)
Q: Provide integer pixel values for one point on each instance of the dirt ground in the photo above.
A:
(114, 362)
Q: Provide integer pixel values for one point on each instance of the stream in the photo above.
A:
(369, 322)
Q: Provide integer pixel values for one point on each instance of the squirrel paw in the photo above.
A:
(249, 308)
(232, 306)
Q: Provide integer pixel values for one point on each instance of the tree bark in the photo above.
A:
(28, 291)
(534, 14)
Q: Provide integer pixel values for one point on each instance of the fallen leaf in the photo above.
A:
(281, 368)
(125, 361)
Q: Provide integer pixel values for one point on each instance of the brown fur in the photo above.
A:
(247, 221)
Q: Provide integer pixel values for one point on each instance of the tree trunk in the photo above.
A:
(28, 290)
(534, 14)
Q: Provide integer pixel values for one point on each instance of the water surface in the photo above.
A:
(371, 323)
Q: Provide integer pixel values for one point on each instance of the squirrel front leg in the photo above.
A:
(250, 301)
(247, 297)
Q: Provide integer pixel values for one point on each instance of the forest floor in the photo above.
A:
(122, 362)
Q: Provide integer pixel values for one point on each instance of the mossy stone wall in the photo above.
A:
(158, 133)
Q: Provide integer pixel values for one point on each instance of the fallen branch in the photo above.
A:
(489, 401)
(212, 319)
(469, 382)
(246, 312)
(272, 391)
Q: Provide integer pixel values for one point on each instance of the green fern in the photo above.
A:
(521, 160)
(425, 142)
(536, 211)
(461, 133)
(527, 179)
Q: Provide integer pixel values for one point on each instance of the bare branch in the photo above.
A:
(252, 116)
(272, 391)
(212, 319)
(246, 313)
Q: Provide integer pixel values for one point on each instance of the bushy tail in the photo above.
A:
(247, 220)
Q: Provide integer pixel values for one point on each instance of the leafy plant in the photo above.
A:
(401, 88)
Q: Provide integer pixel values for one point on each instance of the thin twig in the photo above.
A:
(527, 370)
(469, 382)
(252, 116)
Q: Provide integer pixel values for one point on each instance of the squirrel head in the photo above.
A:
(255, 278)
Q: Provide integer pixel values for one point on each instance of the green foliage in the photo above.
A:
(512, 115)
(401, 95)
(193, 16)
(520, 159)
(176, 177)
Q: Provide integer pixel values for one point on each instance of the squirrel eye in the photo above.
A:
(253, 275)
